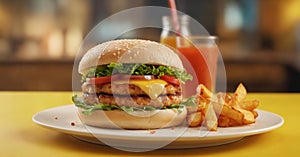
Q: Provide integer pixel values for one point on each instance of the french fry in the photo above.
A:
(254, 113)
(232, 113)
(224, 121)
(233, 108)
(211, 119)
(240, 92)
(248, 117)
(239, 115)
(204, 92)
(225, 98)
(217, 107)
(195, 119)
(249, 105)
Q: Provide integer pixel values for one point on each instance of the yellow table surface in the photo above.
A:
(20, 136)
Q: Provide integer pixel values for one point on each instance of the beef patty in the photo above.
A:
(129, 95)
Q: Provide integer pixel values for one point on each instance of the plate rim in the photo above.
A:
(209, 136)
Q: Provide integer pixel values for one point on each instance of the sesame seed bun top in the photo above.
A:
(129, 51)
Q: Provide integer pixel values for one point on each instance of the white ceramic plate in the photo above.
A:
(64, 119)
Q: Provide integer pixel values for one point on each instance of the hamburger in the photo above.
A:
(131, 84)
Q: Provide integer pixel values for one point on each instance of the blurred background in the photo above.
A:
(259, 39)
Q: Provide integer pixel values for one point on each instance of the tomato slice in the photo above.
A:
(107, 79)
(170, 79)
(98, 80)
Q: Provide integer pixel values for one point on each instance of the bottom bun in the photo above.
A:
(134, 120)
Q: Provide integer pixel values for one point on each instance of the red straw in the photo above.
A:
(174, 16)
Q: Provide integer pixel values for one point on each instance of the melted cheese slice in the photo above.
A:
(153, 88)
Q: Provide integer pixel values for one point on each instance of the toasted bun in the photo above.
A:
(129, 51)
(134, 120)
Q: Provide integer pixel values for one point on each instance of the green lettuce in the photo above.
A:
(136, 69)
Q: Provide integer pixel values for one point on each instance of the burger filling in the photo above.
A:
(131, 87)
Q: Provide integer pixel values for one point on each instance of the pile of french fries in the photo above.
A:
(222, 109)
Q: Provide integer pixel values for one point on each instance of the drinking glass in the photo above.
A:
(199, 55)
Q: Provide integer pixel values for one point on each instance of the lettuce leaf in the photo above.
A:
(136, 69)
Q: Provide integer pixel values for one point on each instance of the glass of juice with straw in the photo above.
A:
(168, 34)
(199, 55)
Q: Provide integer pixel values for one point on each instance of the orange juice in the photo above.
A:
(203, 60)
(169, 41)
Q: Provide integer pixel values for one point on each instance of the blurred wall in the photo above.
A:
(259, 39)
